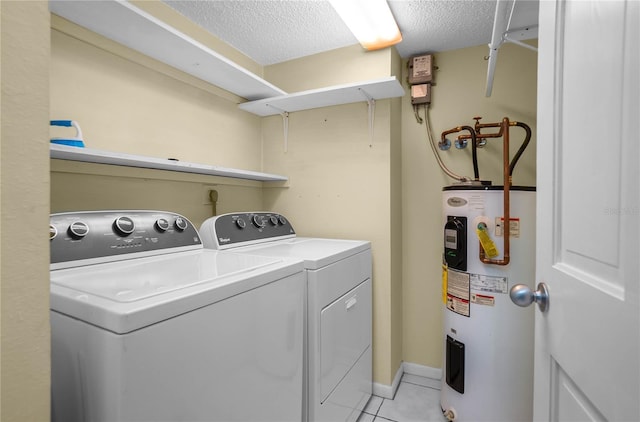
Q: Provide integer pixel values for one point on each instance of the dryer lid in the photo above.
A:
(316, 252)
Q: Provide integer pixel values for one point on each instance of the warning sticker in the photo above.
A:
(457, 305)
(514, 226)
(458, 292)
(458, 284)
(489, 283)
(483, 299)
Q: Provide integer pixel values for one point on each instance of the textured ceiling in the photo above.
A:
(273, 31)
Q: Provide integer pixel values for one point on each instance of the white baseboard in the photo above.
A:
(421, 370)
(389, 391)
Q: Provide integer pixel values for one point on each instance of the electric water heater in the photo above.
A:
(487, 340)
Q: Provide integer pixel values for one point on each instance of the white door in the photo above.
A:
(587, 349)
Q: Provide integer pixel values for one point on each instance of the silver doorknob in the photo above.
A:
(522, 295)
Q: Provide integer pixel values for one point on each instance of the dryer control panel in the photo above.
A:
(88, 237)
(239, 229)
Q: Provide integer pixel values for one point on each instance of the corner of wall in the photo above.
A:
(24, 167)
(395, 69)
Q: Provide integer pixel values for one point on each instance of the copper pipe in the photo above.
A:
(478, 126)
(450, 131)
(506, 226)
(480, 136)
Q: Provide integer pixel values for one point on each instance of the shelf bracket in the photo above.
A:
(371, 105)
(285, 128)
(285, 125)
(508, 37)
(502, 33)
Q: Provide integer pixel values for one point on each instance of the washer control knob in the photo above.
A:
(53, 232)
(78, 229)
(273, 220)
(162, 224)
(282, 220)
(124, 226)
(241, 223)
(181, 224)
(258, 221)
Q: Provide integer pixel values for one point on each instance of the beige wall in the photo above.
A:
(81, 186)
(458, 96)
(339, 66)
(24, 212)
(125, 102)
(341, 184)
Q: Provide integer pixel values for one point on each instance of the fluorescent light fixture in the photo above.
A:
(370, 21)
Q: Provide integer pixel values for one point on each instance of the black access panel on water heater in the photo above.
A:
(455, 243)
(455, 365)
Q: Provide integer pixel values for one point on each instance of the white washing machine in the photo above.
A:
(147, 325)
(339, 308)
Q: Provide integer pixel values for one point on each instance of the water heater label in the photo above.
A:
(483, 299)
(488, 283)
(458, 292)
(514, 226)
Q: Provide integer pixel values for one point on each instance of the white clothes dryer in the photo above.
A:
(339, 306)
(147, 325)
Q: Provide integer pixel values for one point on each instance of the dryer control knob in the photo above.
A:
(241, 223)
(78, 229)
(124, 226)
(282, 220)
(162, 224)
(273, 220)
(258, 221)
(53, 232)
(181, 223)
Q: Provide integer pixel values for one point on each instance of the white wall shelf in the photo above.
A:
(89, 155)
(125, 23)
(376, 89)
(131, 26)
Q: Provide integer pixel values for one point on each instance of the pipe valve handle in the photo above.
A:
(444, 145)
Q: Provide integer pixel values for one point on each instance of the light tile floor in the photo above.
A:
(417, 400)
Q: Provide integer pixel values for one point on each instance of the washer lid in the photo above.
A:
(316, 252)
(127, 295)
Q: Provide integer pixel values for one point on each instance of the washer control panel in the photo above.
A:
(77, 236)
(239, 229)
